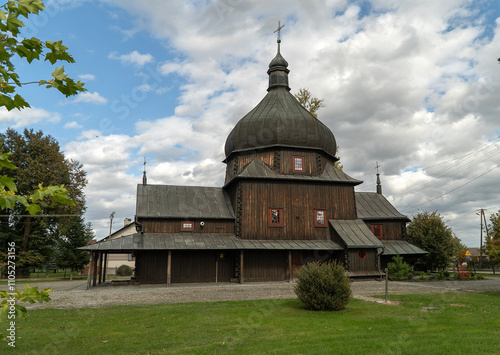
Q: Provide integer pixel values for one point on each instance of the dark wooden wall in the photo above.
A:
(200, 266)
(265, 265)
(370, 263)
(280, 161)
(151, 267)
(395, 230)
(166, 225)
(187, 266)
(298, 201)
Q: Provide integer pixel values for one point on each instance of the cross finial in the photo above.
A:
(144, 178)
(279, 34)
(379, 186)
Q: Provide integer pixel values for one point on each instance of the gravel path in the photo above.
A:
(72, 294)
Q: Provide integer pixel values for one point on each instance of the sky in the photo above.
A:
(413, 85)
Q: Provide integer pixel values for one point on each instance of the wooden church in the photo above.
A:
(283, 204)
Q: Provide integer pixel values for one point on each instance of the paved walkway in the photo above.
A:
(73, 294)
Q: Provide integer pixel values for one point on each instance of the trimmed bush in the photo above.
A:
(124, 270)
(323, 286)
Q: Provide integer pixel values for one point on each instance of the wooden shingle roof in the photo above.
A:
(355, 234)
(203, 241)
(256, 169)
(280, 120)
(168, 201)
(374, 206)
(401, 247)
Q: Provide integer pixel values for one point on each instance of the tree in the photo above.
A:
(12, 45)
(313, 104)
(493, 238)
(429, 232)
(73, 235)
(39, 162)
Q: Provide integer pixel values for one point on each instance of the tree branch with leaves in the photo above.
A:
(12, 46)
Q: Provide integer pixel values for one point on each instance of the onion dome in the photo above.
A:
(279, 120)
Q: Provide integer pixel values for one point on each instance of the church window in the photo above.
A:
(131, 257)
(187, 225)
(298, 164)
(276, 217)
(362, 254)
(320, 218)
(377, 230)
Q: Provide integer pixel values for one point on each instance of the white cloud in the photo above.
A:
(408, 84)
(145, 88)
(134, 58)
(27, 117)
(90, 98)
(73, 124)
(87, 77)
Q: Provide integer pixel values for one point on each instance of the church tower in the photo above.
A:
(280, 173)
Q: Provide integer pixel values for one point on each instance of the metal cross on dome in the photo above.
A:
(279, 31)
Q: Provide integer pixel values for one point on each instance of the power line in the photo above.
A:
(468, 182)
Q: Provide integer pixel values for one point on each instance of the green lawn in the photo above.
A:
(463, 323)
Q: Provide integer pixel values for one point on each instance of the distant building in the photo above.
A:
(282, 205)
(116, 260)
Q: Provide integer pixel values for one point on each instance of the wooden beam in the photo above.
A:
(94, 269)
(290, 271)
(169, 267)
(89, 272)
(100, 267)
(105, 267)
(241, 266)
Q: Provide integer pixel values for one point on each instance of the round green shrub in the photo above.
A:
(124, 270)
(323, 286)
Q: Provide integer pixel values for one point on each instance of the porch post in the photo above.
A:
(89, 272)
(94, 269)
(100, 267)
(290, 272)
(169, 267)
(241, 266)
(105, 267)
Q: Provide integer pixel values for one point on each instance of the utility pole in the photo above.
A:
(111, 216)
(482, 216)
(487, 237)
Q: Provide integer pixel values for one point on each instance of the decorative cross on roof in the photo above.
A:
(377, 166)
(279, 31)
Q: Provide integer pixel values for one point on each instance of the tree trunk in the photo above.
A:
(23, 271)
(71, 275)
(27, 232)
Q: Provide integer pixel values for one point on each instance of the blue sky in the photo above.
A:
(413, 85)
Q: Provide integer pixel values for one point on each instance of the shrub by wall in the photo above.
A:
(124, 270)
(323, 286)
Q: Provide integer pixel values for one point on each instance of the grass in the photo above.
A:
(463, 323)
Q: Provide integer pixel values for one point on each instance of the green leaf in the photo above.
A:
(5, 162)
(58, 74)
(2, 15)
(58, 52)
(33, 209)
(13, 24)
(8, 182)
(7, 200)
